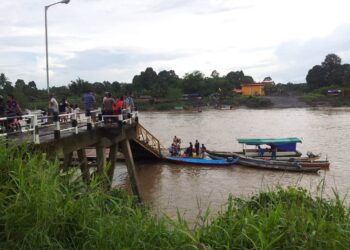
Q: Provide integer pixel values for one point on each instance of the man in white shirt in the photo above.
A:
(53, 107)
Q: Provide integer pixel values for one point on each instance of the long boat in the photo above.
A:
(284, 148)
(200, 161)
(225, 154)
(273, 164)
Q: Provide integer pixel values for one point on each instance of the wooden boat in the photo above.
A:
(273, 164)
(320, 164)
(279, 157)
(200, 161)
(283, 147)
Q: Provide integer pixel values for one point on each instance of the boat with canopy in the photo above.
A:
(284, 148)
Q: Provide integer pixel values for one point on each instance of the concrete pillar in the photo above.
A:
(131, 168)
(83, 164)
(112, 158)
(67, 161)
(101, 159)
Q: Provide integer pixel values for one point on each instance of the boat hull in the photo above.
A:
(273, 164)
(203, 162)
(279, 157)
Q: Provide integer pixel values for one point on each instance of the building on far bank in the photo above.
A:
(253, 89)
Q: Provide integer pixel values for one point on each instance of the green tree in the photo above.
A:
(333, 69)
(346, 75)
(192, 82)
(32, 85)
(165, 79)
(214, 74)
(316, 77)
(20, 84)
(145, 80)
(4, 81)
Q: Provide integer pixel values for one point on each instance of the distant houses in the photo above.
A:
(254, 89)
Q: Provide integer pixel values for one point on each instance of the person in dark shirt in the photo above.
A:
(108, 103)
(12, 106)
(203, 150)
(196, 145)
(2, 106)
(89, 104)
(261, 151)
(273, 152)
(190, 150)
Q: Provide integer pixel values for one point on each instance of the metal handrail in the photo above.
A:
(147, 139)
(34, 125)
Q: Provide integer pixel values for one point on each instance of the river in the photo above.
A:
(167, 187)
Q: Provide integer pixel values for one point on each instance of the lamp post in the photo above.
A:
(46, 42)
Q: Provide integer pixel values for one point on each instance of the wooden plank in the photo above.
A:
(131, 168)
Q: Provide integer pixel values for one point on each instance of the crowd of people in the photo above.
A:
(10, 108)
(196, 151)
(110, 106)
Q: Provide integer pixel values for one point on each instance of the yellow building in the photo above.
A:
(253, 89)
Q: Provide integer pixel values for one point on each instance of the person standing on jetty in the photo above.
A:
(53, 108)
(196, 146)
(89, 103)
(108, 103)
(129, 103)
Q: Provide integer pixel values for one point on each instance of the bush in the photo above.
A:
(42, 208)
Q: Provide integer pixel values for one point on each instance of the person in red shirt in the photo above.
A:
(118, 106)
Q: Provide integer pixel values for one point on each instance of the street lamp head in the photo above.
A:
(65, 1)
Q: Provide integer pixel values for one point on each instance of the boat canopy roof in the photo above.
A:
(269, 141)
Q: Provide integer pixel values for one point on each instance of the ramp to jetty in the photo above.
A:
(146, 146)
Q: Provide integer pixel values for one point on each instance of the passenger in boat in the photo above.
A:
(196, 146)
(189, 150)
(203, 150)
(173, 150)
(273, 152)
(261, 151)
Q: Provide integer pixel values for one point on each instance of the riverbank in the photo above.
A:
(281, 102)
(42, 208)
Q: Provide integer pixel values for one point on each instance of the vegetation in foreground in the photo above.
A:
(40, 208)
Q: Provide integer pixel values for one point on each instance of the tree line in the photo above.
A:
(165, 84)
(330, 72)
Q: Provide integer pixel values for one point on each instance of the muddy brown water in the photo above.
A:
(167, 187)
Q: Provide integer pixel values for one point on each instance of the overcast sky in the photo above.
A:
(112, 40)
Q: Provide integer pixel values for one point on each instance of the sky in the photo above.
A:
(113, 40)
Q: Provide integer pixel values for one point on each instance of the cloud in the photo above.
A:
(114, 40)
(297, 57)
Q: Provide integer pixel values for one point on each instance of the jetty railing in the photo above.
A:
(148, 140)
(39, 125)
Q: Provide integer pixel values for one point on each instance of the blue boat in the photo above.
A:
(207, 162)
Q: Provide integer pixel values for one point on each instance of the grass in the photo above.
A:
(41, 208)
(318, 97)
